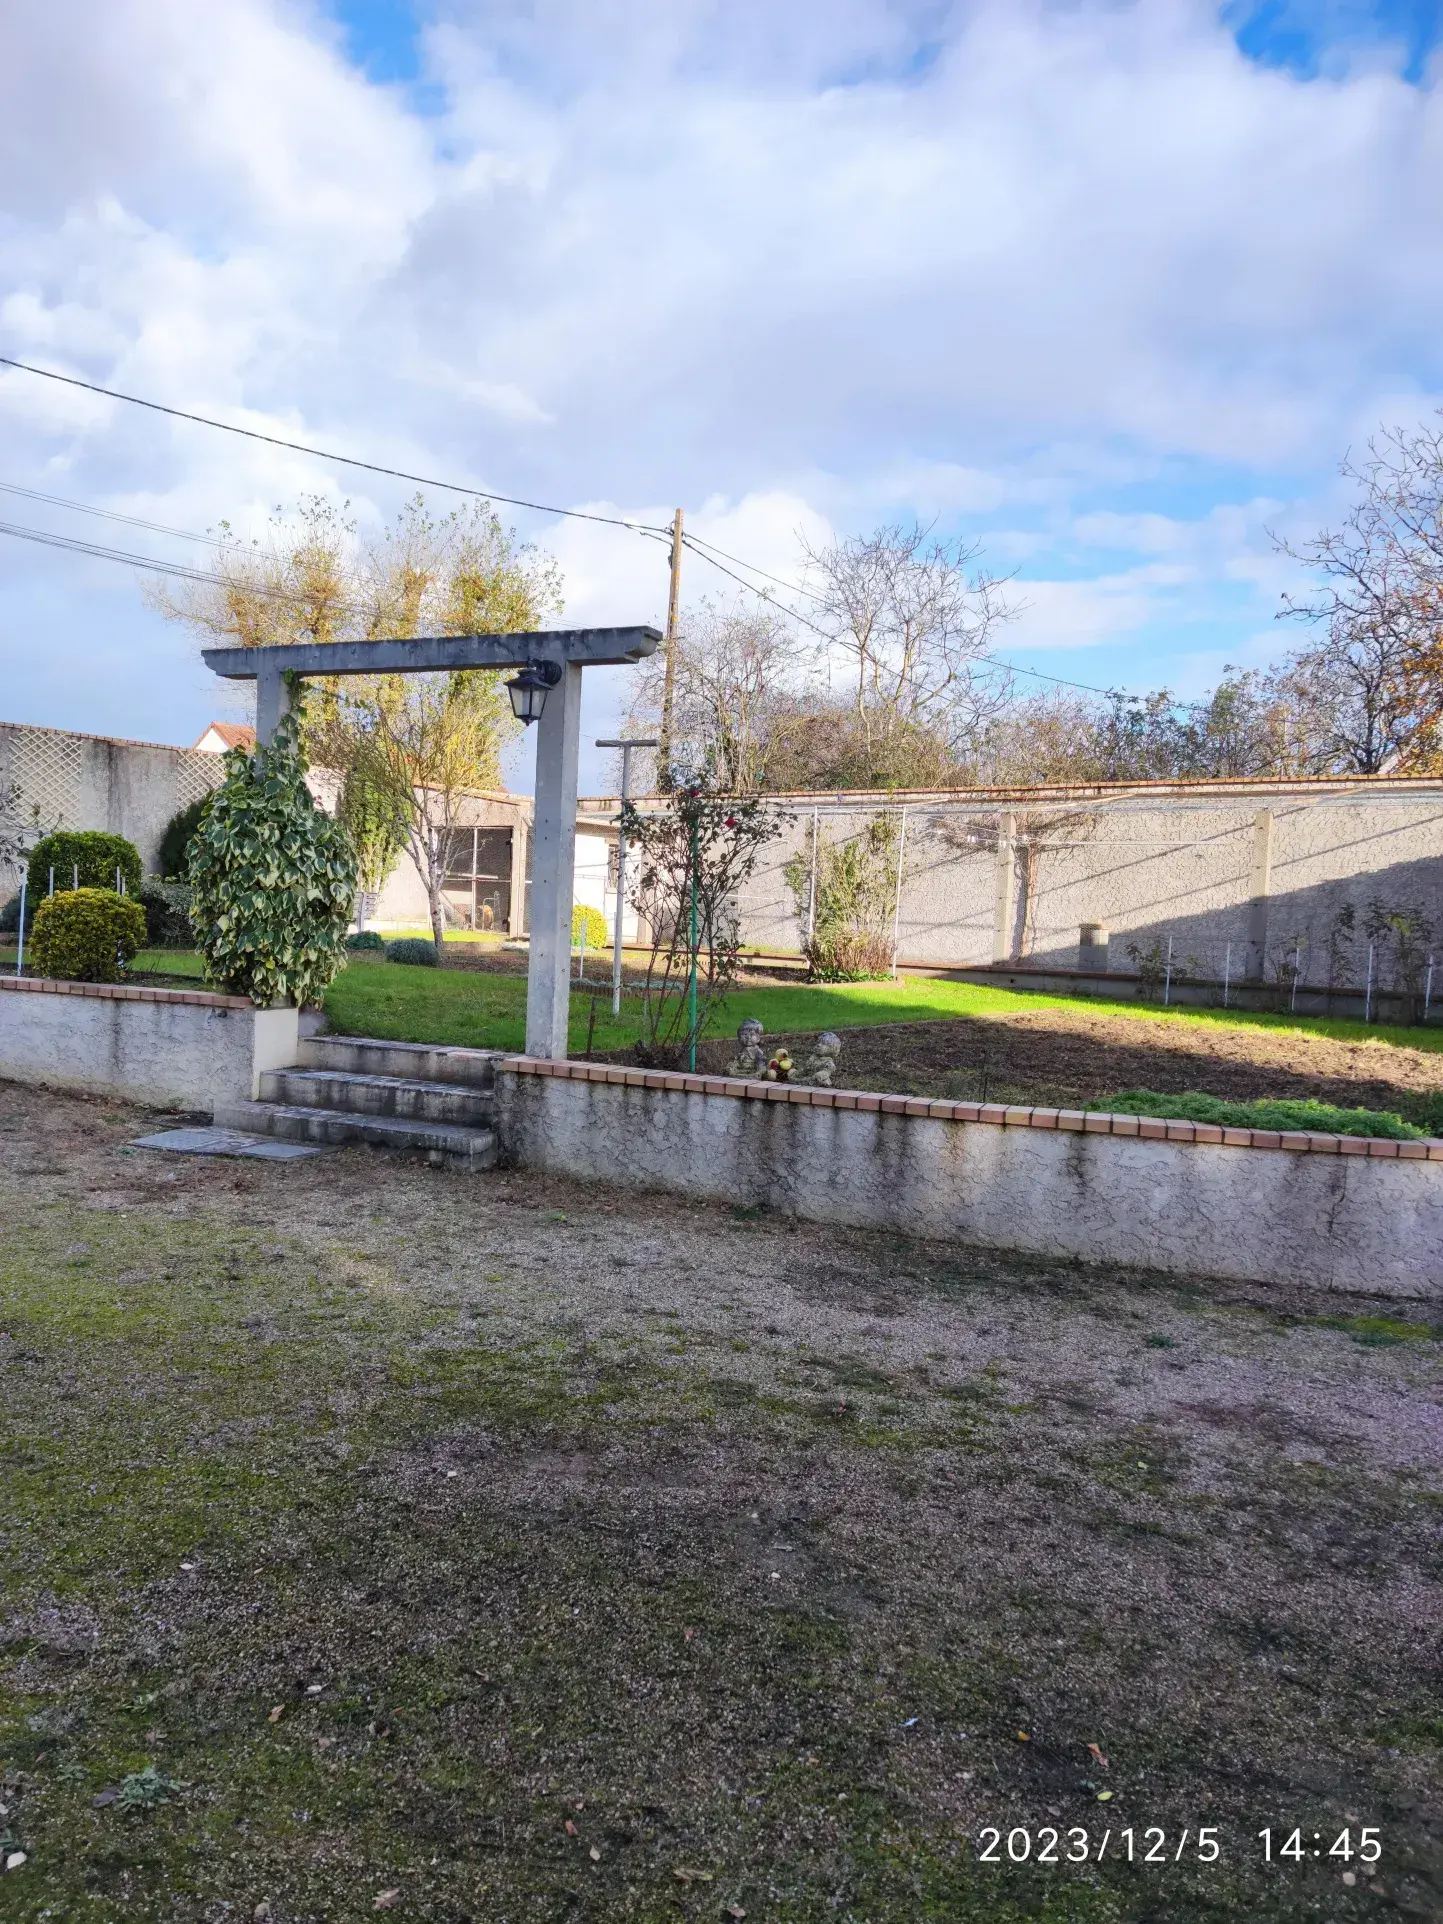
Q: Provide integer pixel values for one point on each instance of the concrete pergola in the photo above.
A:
(558, 745)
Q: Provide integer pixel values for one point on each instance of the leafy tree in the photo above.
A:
(408, 748)
(273, 876)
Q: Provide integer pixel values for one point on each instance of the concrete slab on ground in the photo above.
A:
(226, 1142)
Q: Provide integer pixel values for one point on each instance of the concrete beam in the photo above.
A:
(587, 647)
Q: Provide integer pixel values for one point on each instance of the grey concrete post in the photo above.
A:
(273, 703)
(1002, 905)
(1260, 886)
(553, 863)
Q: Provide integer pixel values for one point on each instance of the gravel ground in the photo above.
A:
(477, 1550)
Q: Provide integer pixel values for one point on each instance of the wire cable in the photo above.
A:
(323, 454)
(704, 550)
(986, 662)
(792, 587)
(178, 569)
(111, 514)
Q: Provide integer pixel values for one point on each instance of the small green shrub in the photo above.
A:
(593, 923)
(87, 935)
(364, 939)
(274, 878)
(10, 915)
(1320, 1118)
(179, 833)
(167, 908)
(415, 950)
(95, 857)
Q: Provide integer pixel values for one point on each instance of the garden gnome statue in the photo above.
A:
(821, 1065)
(750, 1059)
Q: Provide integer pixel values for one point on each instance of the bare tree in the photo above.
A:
(732, 672)
(913, 628)
(1374, 681)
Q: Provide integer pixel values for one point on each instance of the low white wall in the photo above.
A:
(1316, 1214)
(172, 1048)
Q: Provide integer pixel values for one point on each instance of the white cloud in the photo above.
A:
(1078, 274)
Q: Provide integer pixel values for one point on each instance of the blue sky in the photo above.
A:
(1107, 287)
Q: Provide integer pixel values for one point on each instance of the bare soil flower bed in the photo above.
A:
(374, 1538)
(1065, 1059)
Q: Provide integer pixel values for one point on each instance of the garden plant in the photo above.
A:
(86, 935)
(274, 878)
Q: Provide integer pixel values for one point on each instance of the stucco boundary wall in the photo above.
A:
(171, 1048)
(1338, 1212)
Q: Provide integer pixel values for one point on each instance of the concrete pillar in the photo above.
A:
(1260, 886)
(553, 862)
(1003, 903)
(273, 703)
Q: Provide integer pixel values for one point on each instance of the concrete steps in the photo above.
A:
(408, 1096)
(377, 1095)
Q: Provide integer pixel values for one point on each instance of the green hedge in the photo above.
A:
(365, 939)
(95, 855)
(179, 834)
(1320, 1118)
(86, 935)
(593, 922)
(415, 950)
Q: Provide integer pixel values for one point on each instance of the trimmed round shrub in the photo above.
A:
(415, 950)
(365, 939)
(167, 913)
(274, 878)
(86, 935)
(594, 923)
(179, 833)
(94, 855)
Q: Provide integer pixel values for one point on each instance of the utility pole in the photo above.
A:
(669, 682)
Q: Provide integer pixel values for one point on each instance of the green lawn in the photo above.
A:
(489, 1011)
(473, 1010)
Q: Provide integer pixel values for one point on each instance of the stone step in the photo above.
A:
(409, 1061)
(294, 1122)
(378, 1095)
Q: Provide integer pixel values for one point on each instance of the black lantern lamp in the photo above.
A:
(528, 689)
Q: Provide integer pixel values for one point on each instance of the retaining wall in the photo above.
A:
(1338, 1212)
(181, 1049)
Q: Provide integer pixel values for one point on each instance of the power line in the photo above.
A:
(986, 662)
(322, 454)
(792, 587)
(73, 545)
(704, 550)
(110, 514)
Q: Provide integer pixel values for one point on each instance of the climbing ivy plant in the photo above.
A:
(274, 878)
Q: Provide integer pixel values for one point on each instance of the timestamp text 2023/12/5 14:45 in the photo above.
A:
(1156, 1846)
